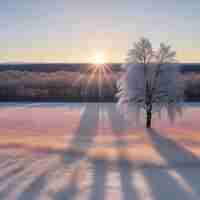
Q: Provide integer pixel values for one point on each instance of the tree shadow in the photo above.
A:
(12, 170)
(124, 166)
(34, 188)
(82, 141)
(126, 171)
(117, 120)
(71, 191)
(100, 170)
(20, 179)
(160, 181)
(177, 182)
(171, 151)
(87, 127)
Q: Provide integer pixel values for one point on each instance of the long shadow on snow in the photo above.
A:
(83, 139)
(84, 135)
(124, 166)
(176, 185)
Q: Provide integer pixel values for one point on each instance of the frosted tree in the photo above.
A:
(151, 82)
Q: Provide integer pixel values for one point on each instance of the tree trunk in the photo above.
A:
(148, 118)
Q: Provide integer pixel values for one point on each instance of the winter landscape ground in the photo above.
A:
(90, 152)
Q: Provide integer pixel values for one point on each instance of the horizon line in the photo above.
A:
(77, 63)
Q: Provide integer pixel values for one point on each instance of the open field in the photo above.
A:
(89, 151)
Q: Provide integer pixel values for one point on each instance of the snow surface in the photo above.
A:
(90, 152)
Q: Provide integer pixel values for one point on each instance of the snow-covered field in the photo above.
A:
(90, 152)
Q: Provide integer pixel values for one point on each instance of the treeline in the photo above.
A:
(56, 86)
(73, 86)
(54, 67)
(192, 86)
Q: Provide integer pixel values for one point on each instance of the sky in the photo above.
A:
(76, 30)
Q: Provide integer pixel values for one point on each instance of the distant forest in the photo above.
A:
(75, 82)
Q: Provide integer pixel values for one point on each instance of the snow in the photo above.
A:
(90, 152)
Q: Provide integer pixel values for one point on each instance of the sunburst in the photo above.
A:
(98, 74)
(98, 58)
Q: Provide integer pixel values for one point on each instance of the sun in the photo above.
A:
(99, 58)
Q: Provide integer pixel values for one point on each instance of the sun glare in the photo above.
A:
(99, 58)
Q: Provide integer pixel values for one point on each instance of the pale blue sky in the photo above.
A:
(74, 30)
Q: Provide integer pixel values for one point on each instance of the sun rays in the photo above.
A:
(99, 77)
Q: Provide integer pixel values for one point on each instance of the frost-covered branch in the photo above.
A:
(151, 81)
